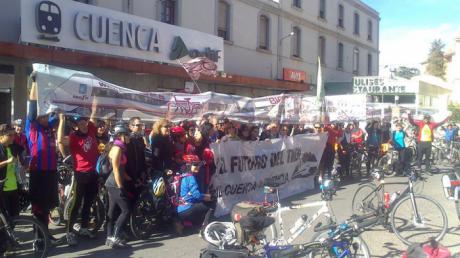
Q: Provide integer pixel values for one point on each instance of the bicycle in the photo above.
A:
(222, 234)
(22, 235)
(358, 157)
(451, 187)
(388, 162)
(403, 212)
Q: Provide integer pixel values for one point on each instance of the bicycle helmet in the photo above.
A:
(159, 187)
(121, 128)
(191, 159)
(17, 122)
(328, 188)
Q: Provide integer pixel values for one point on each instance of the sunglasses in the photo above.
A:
(138, 125)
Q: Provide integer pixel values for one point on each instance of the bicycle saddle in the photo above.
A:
(271, 182)
(256, 223)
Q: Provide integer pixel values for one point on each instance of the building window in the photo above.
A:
(369, 64)
(340, 56)
(128, 6)
(356, 24)
(168, 11)
(322, 49)
(297, 3)
(369, 30)
(341, 16)
(296, 42)
(355, 61)
(264, 32)
(223, 28)
(322, 9)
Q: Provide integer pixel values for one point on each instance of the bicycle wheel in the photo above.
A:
(29, 238)
(143, 218)
(97, 216)
(366, 200)
(457, 207)
(433, 222)
(386, 164)
(216, 233)
(356, 247)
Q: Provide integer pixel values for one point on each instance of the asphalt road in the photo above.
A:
(381, 242)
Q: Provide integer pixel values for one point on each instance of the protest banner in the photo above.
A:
(74, 91)
(346, 108)
(242, 167)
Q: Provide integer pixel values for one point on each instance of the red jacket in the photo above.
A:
(420, 124)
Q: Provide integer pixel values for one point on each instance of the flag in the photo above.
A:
(198, 66)
(320, 93)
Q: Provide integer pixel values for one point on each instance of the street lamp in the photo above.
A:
(278, 56)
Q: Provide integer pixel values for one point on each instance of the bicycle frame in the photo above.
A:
(408, 190)
(299, 229)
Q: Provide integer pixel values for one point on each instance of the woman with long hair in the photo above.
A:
(160, 142)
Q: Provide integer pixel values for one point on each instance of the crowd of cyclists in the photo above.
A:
(172, 148)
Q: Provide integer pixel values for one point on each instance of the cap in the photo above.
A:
(223, 120)
(53, 119)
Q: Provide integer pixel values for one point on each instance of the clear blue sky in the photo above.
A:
(408, 26)
(416, 13)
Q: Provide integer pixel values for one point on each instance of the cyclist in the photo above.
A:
(398, 139)
(451, 132)
(193, 205)
(19, 137)
(83, 148)
(115, 184)
(374, 139)
(43, 159)
(425, 138)
(357, 134)
(162, 150)
(329, 150)
(9, 195)
(135, 168)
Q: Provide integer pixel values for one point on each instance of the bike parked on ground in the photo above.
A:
(412, 217)
(22, 236)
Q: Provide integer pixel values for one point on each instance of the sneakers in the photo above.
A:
(71, 239)
(114, 242)
(86, 233)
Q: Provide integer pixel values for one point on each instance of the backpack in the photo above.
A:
(175, 186)
(103, 164)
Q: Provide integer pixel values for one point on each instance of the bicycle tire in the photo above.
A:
(215, 232)
(457, 207)
(27, 243)
(372, 202)
(386, 166)
(427, 216)
(142, 220)
(320, 236)
(97, 214)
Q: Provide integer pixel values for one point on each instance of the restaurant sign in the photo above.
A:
(372, 85)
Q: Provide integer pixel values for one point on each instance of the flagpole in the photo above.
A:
(193, 80)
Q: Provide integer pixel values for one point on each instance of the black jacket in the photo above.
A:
(162, 153)
(135, 165)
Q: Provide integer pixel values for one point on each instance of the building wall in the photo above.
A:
(242, 55)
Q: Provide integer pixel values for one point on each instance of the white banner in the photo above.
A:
(242, 167)
(346, 108)
(74, 91)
